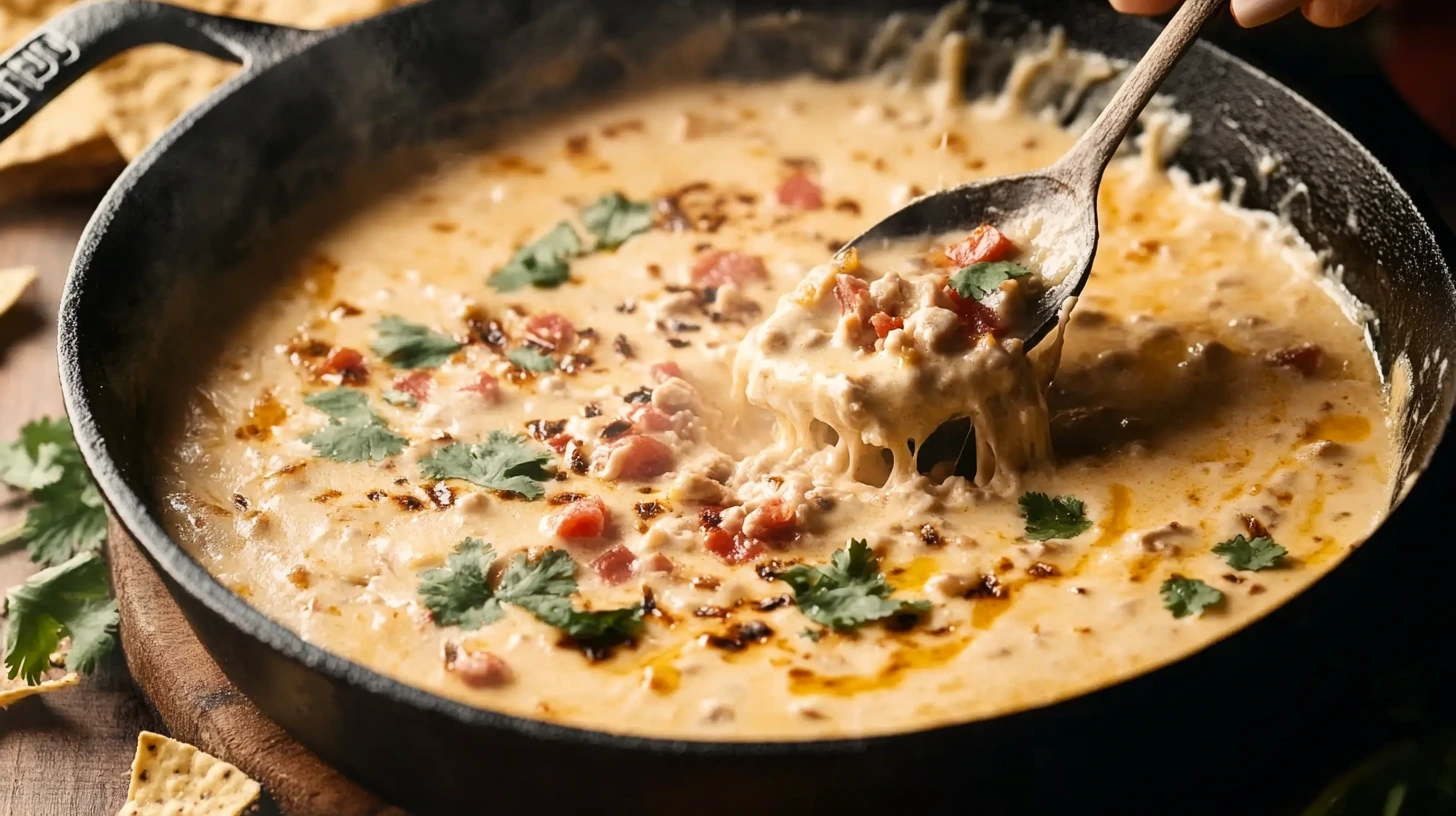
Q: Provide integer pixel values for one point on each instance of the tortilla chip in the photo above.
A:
(171, 778)
(13, 691)
(63, 148)
(147, 88)
(13, 283)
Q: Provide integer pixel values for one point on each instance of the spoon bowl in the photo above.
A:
(1060, 200)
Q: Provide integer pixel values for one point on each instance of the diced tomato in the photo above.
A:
(666, 370)
(347, 364)
(1304, 358)
(977, 319)
(417, 384)
(649, 418)
(615, 565)
(884, 324)
(481, 669)
(985, 243)
(735, 549)
(774, 520)
(718, 267)
(551, 330)
(558, 442)
(853, 295)
(583, 518)
(633, 456)
(487, 386)
(800, 193)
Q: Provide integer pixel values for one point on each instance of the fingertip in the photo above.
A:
(1336, 13)
(1144, 7)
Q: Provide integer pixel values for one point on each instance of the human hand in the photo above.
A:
(1250, 13)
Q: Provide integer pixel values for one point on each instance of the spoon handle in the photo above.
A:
(1082, 167)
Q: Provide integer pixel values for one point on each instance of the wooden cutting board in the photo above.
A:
(199, 705)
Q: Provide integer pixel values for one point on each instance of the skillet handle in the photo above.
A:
(68, 45)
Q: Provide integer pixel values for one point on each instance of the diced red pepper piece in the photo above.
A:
(558, 442)
(347, 363)
(799, 192)
(551, 330)
(583, 518)
(649, 418)
(985, 243)
(717, 267)
(666, 370)
(735, 549)
(853, 295)
(1304, 358)
(977, 319)
(633, 456)
(417, 384)
(615, 565)
(884, 324)
(487, 386)
(774, 520)
(481, 669)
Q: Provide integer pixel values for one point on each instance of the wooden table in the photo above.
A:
(65, 754)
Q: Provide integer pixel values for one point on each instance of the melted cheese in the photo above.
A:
(1165, 417)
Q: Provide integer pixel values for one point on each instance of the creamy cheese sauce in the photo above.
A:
(1207, 378)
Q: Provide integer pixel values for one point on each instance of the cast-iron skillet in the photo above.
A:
(311, 105)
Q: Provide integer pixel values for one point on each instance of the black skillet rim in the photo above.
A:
(131, 510)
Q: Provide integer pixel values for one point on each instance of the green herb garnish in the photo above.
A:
(502, 462)
(530, 359)
(1243, 554)
(412, 345)
(542, 263)
(847, 592)
(981, 279)
(457, 594)
(1188, 596)
(69, 516)
(613, 219)
(71, 600)
(1048, 518)
(354, 433)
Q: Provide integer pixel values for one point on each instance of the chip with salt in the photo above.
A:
(171, 778)
(13, 283)
(13, 691)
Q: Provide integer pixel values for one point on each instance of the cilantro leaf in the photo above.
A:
(981, 279)
(457, 594)
(542, 263)
(70, 600)
(1243, 554)
(1188, 596)
(403, 399)
(412, 345)
(847, 592)
(354, 433)
(613, 219)
(1048, 518)
(502, 462)
(543, 587)
(69, 518)
(530, 360)
(40, 456)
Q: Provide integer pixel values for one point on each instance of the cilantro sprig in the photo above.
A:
(354, 433)
(460, 594)
(1188, 596)
(542, 263)
(1244, 554)
(981, 279)
(847, 592)
(1048, 518)
(613, 219)
(412, 345)
(72, 600)
(502, 462)
(68, 516)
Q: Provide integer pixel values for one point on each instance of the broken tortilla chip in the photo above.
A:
(13, 283)
(13, 691)
(171, 778)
